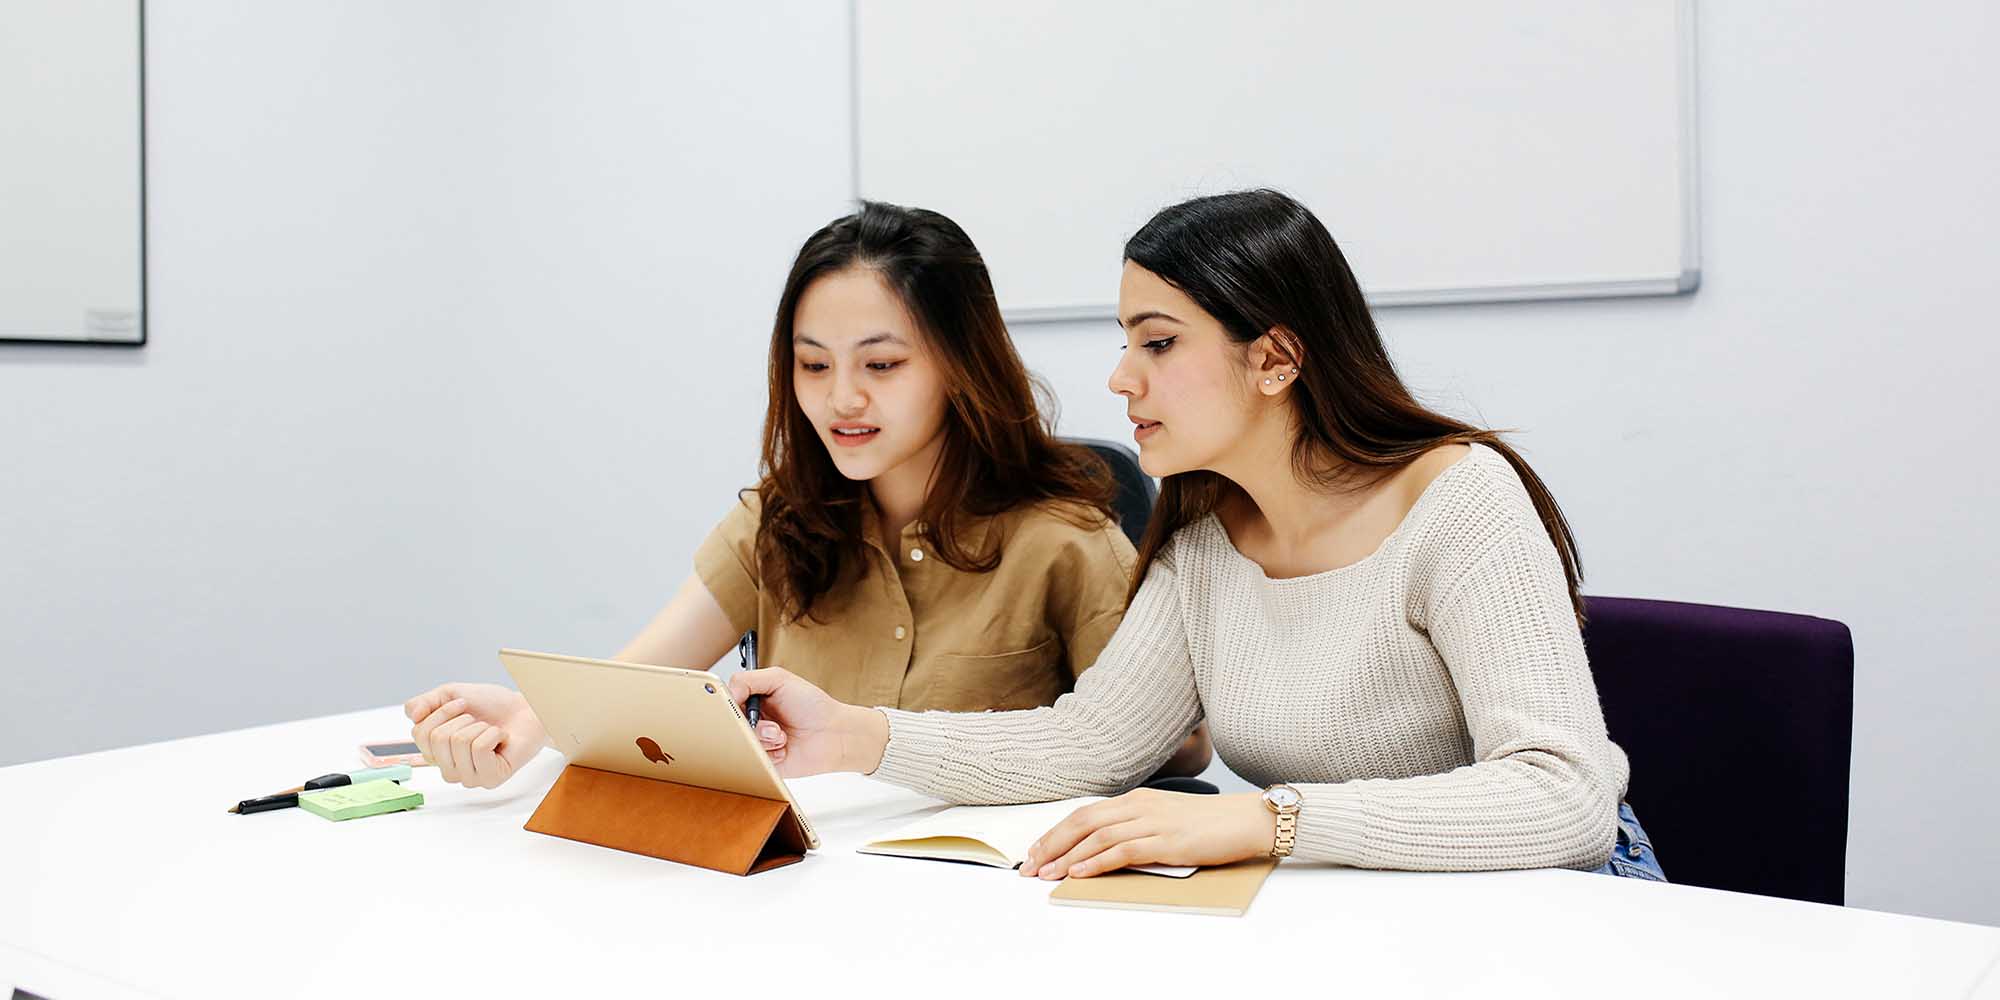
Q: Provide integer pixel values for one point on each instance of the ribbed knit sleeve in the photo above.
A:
(1127, 715)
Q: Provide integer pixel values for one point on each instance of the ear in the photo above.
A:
(1275, 360)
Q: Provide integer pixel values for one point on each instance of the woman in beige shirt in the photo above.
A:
(1372, 605)
(919, 538)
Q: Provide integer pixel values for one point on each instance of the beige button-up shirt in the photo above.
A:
(906, 630)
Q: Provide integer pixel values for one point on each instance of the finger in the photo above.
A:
(424, 732)
(421, 732)
(744, 683)
(1060, 838)
(461, 750)
(487, 766)
(1139, 851)
(1099, 841)
(439, 748)
(771, 735)
(426, 703)
(777, 749)
(1073, 828)
(487, 763)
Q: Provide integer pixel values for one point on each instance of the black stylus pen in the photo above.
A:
(746, 652)
(289, 799)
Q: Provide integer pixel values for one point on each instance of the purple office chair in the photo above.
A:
(1740, 727)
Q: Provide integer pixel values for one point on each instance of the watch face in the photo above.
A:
(1282, 797)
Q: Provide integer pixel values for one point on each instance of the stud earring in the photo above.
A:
(1267, 381)
(1281, 378)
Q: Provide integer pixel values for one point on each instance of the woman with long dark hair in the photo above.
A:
(1373, 606)
(918, 539)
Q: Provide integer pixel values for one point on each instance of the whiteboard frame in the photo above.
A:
(1686, 282)
(142, 317)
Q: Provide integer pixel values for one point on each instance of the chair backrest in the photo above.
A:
(1740, 728)
(1136, 491)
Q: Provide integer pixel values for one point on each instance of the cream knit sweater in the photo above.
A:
(1431, 702)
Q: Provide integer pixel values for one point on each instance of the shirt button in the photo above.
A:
(916, 555)
(901, 632)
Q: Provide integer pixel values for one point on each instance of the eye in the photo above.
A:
(883, 366)
(814, 367)
(1159, 346)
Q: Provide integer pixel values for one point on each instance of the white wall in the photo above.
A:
(459, 313)
(1812, 430)
(458, 328)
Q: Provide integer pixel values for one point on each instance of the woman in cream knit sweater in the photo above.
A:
(1373, 606)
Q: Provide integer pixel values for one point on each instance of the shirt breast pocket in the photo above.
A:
(1027, 678)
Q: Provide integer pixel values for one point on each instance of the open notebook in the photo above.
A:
(988, 835)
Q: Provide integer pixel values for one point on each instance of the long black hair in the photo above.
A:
(1259, 262)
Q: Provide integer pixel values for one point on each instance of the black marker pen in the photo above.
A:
(746, 653)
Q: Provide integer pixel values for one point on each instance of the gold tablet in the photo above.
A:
(661, 723)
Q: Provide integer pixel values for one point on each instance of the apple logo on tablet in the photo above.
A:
(653, 752)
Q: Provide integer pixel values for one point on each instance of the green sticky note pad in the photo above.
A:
(369, 798)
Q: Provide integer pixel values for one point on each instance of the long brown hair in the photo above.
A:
(1259, 261)
(999, 451)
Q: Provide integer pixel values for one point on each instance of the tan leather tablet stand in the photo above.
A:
(723, 831)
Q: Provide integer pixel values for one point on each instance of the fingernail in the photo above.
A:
(1046, 869)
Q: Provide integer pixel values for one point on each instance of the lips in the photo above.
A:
(1143, 428)
(851, 434)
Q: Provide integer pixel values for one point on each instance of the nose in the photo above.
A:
(844, 396)
(1123, 381)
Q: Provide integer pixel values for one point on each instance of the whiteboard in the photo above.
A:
(1459, 151)
(72, 226)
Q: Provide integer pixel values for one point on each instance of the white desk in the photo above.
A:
(122, 875)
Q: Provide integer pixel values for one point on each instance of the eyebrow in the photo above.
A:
(1137, 318)
(872, 339)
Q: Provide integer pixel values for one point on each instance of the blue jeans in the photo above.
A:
(1633, 857)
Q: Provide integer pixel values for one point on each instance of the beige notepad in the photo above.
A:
(1225, 891)
(988, 835)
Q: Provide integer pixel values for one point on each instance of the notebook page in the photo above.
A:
(1007, 829)
(1011, 830)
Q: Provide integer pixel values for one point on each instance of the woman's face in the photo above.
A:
(863, 374)
(1186, 385)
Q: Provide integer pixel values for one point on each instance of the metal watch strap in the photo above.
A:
(1288, 828)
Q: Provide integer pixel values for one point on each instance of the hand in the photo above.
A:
(478, 735)
(1148, 826)
(807, 732)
